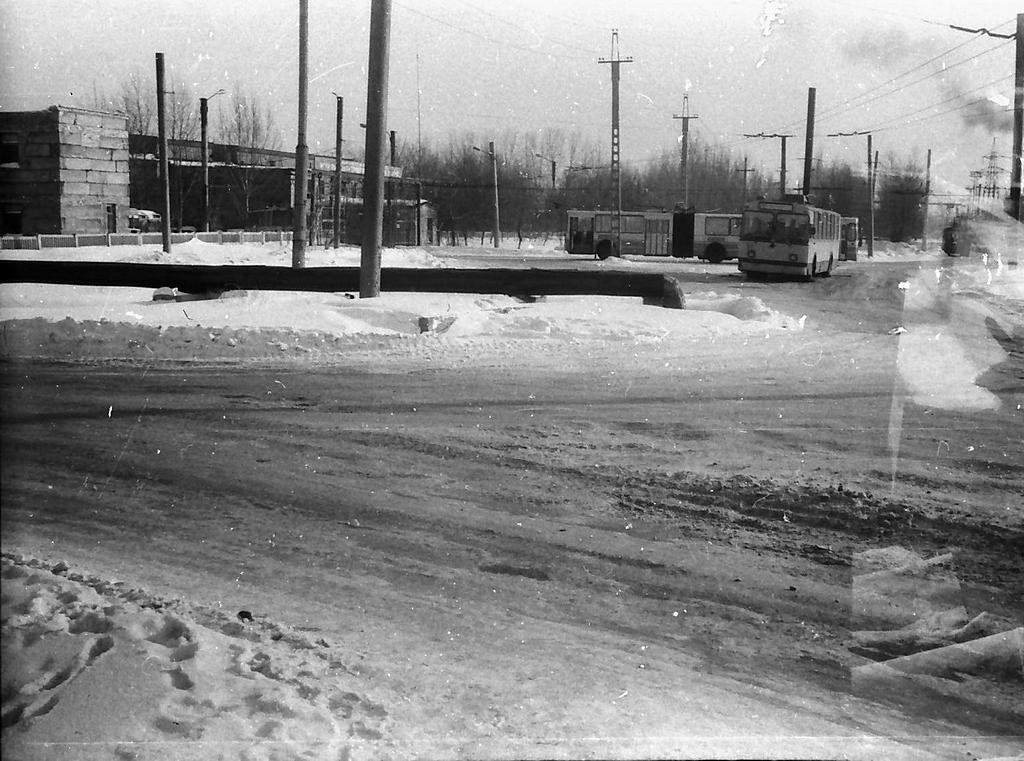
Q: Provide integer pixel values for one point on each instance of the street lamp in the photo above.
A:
(203, 122)
(553, 165)
(496, 234)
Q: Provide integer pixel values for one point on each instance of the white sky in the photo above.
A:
(493, 66)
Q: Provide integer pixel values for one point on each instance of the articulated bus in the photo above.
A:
(789, 237)
(708, 235)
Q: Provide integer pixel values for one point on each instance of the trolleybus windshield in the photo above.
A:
(780, 227)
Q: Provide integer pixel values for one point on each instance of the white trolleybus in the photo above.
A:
(714, 236)
(789, 237)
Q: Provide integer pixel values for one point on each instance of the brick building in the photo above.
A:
(63, 170)
(76, 171)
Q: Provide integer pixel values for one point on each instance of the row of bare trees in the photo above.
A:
(541, 173)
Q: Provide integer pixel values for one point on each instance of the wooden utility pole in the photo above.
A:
(301, 149)
(927, 193)
(376, 147)
(1018, 122)
(871, 203)
(337, 169)
(684, 147)
(165, 177)
(782, 168)
(615, 62)
(746, 171)
(809, 142)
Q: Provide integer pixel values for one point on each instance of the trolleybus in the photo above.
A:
(709, 235)
(789, 237)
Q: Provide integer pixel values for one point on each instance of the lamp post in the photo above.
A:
(553, 165)
(496, 233)
(336, 208)
(204, 119)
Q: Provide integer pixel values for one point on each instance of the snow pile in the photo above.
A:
(231, 687)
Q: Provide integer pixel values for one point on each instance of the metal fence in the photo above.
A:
(38, 242)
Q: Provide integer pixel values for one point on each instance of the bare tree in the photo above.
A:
(248, 127)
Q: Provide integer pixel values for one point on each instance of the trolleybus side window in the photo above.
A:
(716, 226)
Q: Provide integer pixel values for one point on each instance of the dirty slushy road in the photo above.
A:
(649, 549)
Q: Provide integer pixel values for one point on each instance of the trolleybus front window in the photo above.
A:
(792, 228)
(757, 225)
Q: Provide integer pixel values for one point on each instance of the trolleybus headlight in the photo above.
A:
(792, 257)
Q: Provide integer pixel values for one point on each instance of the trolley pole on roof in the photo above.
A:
(684, 146)
(615, 62)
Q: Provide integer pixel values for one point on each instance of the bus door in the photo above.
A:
(682, 233)
(581, 234)
(656, 232)
(849, 240)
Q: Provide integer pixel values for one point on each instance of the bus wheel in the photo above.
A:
(604, 249)
(828, 272)
(715, 254)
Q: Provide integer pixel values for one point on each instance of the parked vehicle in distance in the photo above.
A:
(143, 221)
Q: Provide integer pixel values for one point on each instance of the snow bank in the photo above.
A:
(232, 686)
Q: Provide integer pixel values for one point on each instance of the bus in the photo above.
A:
(708, 235)
(646, 233)
(789, 237)
(714, 236)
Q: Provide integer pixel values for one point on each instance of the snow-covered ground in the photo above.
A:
(160, 680)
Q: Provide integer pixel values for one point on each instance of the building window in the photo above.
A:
(10, 221)
(10, 154)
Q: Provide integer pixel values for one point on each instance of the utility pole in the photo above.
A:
(553, 165)
(874, 184)
(339, 113)
(615, 62)
(782, 168)
(809, 141)
(927, 193)
(871, 204)
(301, 149)
(165, 177)
(684, 147)
(373, 177)
(204, 119)
(496, 232)
(1018, 122)
(389, 192)
(743, 200)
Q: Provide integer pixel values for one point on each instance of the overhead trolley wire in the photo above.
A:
(863, 98)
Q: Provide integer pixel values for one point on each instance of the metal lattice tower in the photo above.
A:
(615, 61)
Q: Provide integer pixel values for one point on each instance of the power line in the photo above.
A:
(492, 40)
(864, 98)
(885, 125)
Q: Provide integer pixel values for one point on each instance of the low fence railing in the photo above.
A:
(39, 242)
